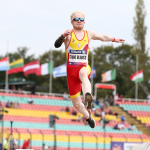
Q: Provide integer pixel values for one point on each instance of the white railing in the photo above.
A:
(134, 100)
(29, 92)
(36, 93)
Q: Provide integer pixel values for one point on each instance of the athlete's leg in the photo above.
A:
(86, 85)
(77, 103)
(86, 88)
(74, 85)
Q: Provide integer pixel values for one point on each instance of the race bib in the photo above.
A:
(77, 57)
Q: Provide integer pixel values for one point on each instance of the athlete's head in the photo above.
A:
(78, 20)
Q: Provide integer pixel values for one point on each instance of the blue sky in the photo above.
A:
(36, 24)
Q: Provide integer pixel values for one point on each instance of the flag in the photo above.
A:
(4, 64)
(93, 73)
(45, 69)
(16, 66)
(60, 71)
(137, 77)
(31, 67)
(109, 75)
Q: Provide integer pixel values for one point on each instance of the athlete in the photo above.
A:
(77, 43)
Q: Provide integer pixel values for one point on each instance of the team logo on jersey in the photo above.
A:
(84, 52)
(73, 40)
(79, 44)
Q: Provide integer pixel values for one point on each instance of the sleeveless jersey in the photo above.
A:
(77, 50)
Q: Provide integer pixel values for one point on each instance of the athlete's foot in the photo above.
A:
(90, 120)
(88, 100)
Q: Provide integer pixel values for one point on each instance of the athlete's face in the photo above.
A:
(78, 24)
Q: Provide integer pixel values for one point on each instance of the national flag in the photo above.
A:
(93, 73)
(31, 67)
(137, 77)
(60, 71)
(4, 64)
(109, 75)
(45, 69)
(16, 66)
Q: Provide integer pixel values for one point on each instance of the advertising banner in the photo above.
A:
(129, 146)
(117, 145)
(122, 145)
(143, 146)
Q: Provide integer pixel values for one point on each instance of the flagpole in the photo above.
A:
(50, 75)
(136, 91)
(92, 64)
(6, 76)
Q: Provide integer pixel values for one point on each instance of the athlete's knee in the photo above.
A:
(83, 74)
(76, 105)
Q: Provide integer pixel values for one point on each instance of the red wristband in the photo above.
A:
(114, 40)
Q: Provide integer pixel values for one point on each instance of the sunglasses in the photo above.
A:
(77, 19)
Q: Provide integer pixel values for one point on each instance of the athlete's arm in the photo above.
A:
(62, 38)
(59, 41)
(104, 37)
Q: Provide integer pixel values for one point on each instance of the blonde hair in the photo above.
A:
(75, 12)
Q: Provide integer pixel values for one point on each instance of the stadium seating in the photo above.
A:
(140, 110)
(34, 118)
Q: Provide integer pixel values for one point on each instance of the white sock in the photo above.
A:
(87, 116)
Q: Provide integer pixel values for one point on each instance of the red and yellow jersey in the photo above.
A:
(77, 58)
(77, 50)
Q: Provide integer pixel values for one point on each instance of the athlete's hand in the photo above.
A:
(117, 40)
(66, 33)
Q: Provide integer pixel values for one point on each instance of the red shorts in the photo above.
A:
(74, 82)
